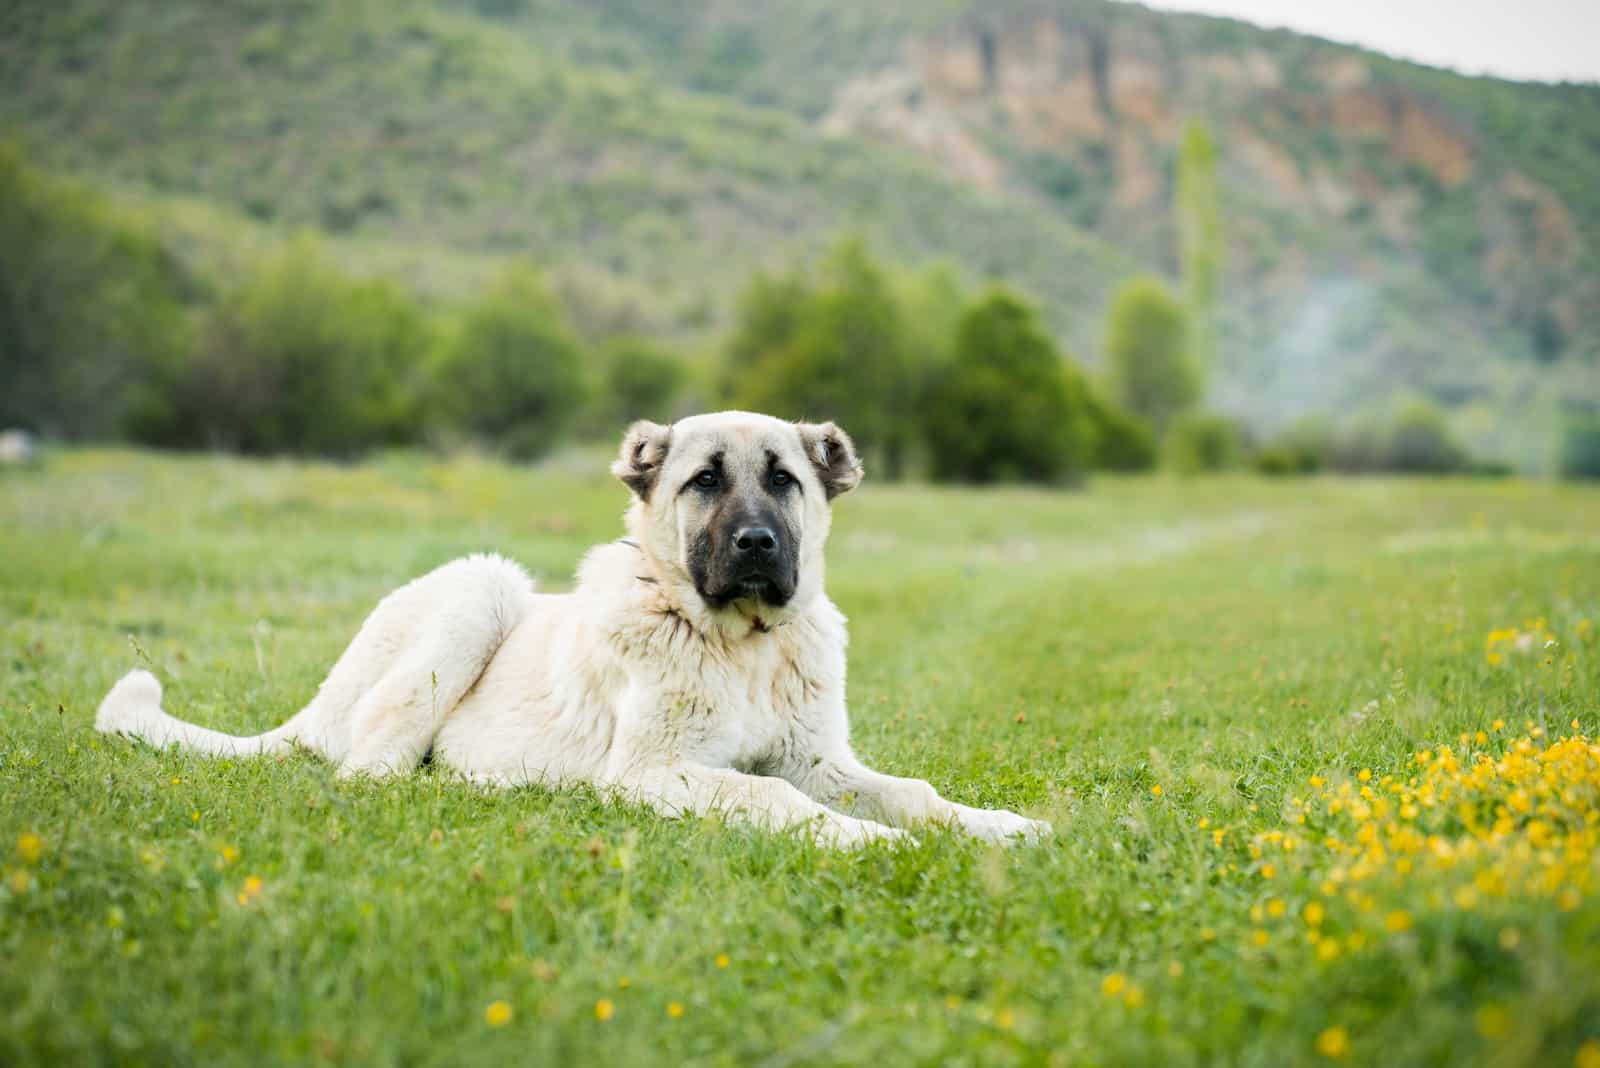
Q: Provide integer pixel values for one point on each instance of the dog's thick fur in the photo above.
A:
(697, 667)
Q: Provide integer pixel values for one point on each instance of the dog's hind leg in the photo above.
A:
(394, 722)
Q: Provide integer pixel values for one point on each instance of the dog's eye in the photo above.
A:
(706, 479)
(782, 479)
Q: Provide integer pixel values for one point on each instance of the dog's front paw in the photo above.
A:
(1000, 825)
(843, 832)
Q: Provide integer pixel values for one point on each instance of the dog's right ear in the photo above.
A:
(644, 448)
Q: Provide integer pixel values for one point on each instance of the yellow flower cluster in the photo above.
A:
(1532, 640)
(29, 850)
(1463, 828)
(249, 891)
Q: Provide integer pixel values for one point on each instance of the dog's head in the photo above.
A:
(736, 507)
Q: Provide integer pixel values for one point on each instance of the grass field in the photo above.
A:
(1251, 710)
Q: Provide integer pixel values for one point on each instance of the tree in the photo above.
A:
(1148, 370)
(302, 358)
(1008, 407)
(512, 372)
(1200, 244)
(92, 324)
(834, 352)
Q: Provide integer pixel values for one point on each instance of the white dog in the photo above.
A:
(697, 667)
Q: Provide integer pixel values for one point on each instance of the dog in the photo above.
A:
(698, 667)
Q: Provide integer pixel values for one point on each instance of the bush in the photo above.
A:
(641, 382)
(92, 327)
(1580, 446)
(512, 372)
(1120, 442)
(1204, 442)
(301, 358)
(1007, 407)
(1148, 369)
(1359, 446)
(1301, 449)
(1419, 440)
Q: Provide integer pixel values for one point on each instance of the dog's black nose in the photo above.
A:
(755, 541)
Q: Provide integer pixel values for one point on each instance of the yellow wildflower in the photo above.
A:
(1113, 984)
(722, 960)
(498, 1014)
(1334, 1043)
(30, 847)
(674, 1009)
(604, 1009)
(1493, 1022)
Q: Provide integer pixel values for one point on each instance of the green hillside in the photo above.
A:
(1390, 227)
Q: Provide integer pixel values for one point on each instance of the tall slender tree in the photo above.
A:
(1200, 243)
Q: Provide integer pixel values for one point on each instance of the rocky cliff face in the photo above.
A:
(974, 96)
(1347, 189)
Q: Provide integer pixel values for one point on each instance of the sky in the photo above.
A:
(1543, 40)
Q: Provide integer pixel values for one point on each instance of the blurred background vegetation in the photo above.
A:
(1017, 240)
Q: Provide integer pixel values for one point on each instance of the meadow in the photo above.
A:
(1317, 753)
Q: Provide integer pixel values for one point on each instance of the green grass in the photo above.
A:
(1061, 654)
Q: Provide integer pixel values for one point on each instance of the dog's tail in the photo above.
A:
(133, 707)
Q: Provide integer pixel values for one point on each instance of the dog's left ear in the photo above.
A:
(833, 455)
(644, 449)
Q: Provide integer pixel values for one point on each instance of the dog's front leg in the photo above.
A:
(662, 754)
(692, 789)
(844, 781)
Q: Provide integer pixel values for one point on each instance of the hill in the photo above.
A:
(1389, 226)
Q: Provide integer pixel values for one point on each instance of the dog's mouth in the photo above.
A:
(764, 589)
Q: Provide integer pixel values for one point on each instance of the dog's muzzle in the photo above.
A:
(754, 564)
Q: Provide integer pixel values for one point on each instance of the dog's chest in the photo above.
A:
(770, 707)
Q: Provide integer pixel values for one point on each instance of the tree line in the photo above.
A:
(104, 335)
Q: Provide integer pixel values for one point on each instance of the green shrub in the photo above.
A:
(1120, 442)
(1202, 441)
(512, 372)
(302, 358)
(642, 381)
(1008, 407)
(1301, 449)
(1580, 446)
(1358, 446)
(92, 325)
(1420, 440)
(1148, 369)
